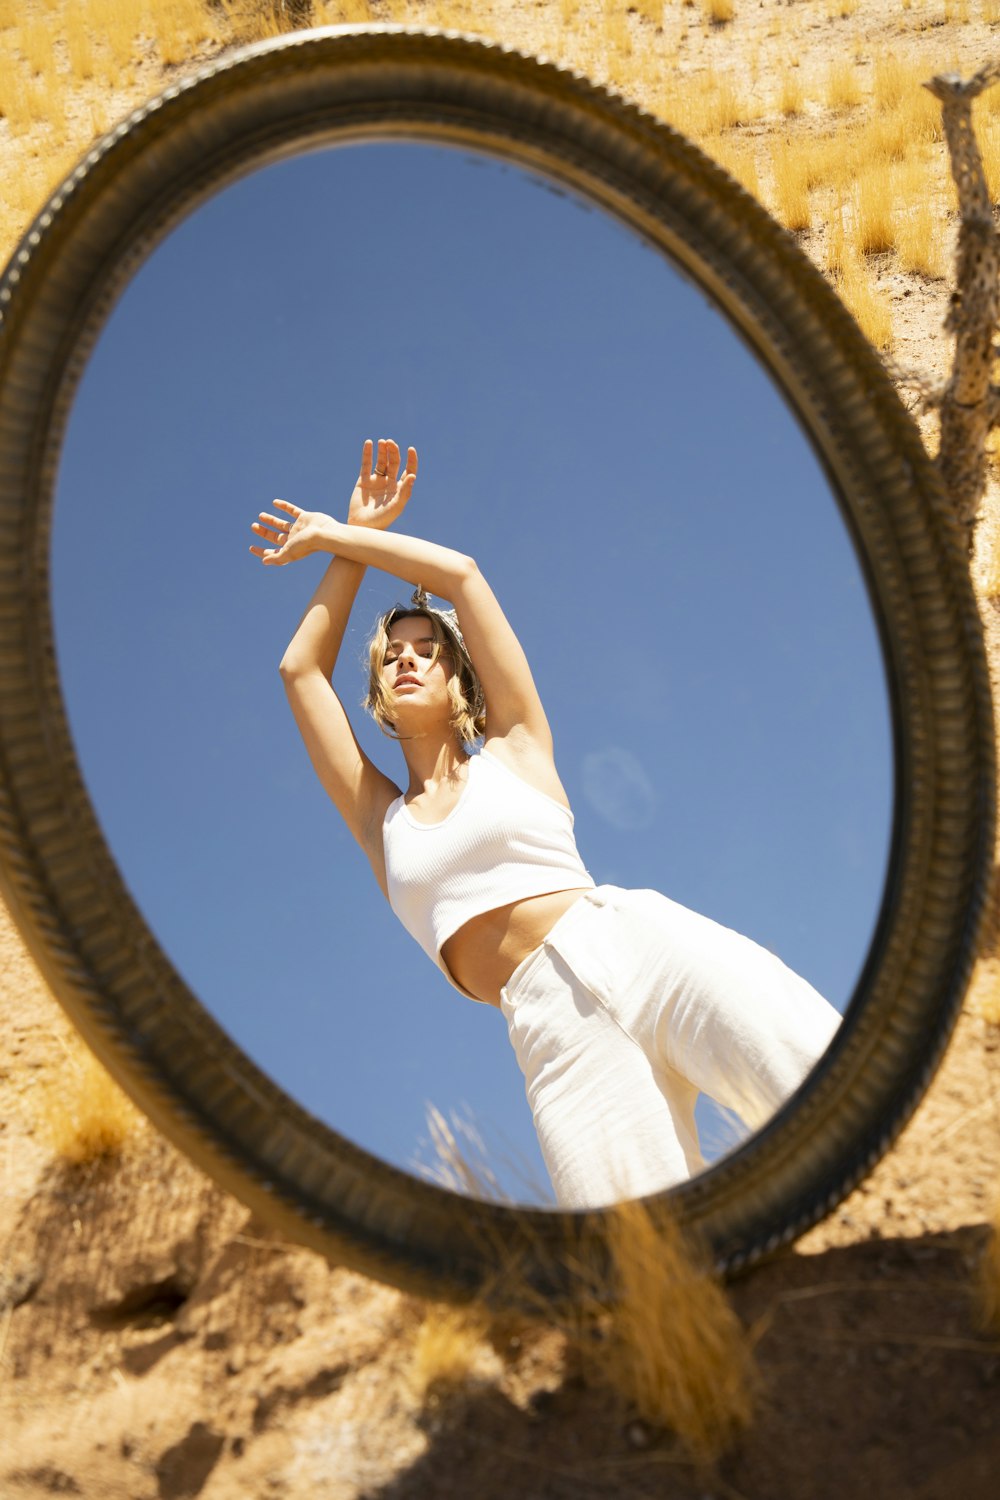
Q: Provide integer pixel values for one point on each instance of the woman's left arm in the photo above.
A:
(511, 695)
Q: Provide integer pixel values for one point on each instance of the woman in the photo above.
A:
(621, 1005)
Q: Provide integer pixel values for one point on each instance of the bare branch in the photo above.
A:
(968, 406)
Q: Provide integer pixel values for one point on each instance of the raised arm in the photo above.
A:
(512, 701)
(359, 790)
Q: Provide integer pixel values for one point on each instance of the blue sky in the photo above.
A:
(646, 508)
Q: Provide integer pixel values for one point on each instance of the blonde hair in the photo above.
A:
(468, 718)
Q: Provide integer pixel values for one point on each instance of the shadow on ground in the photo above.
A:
(876, 1377)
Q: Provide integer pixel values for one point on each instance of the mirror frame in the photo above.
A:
(341, 85)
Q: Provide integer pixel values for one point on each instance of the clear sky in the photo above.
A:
(653, 521)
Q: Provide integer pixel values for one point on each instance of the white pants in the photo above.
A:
(630, 1008)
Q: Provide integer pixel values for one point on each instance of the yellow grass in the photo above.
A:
(839, 10)
(790, 191)
(917, 221)
(650, 10)
(718, 12)
(79, 43)
(957, 12)
(870, 309)
(181, 27)
(843, 91)
(617, 36)
(46, 99)
(35, 43)
(738, 159)
(716, 105)
(889, 79)
(918, 244)
(830, 159)
(675, 1348)
(82, 1113)
(790, 96)
(447, 1350)
(889, 137)
(991, 12)
(836, 254)
(13, 92)
(873, 230)
(117, 23)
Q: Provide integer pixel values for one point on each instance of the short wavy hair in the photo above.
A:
(464, 688)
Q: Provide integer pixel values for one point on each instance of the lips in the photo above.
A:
(407, 677)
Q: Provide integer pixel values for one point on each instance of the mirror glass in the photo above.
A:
(632, 483)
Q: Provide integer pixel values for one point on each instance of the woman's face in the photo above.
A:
(409, 671)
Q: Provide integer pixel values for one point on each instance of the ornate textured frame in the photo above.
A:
(342, 85)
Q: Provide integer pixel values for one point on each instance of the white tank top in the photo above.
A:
(503, 841)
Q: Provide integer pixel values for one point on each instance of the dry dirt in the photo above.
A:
(156, 1342)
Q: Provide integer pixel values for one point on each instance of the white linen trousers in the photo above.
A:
(632, 1006)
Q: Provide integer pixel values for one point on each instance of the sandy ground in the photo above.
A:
(155, 1341)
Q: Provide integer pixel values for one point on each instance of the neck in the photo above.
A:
(431, 760)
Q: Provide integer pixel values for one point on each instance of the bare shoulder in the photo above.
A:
(528, 758)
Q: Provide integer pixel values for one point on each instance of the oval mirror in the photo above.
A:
(699, 500)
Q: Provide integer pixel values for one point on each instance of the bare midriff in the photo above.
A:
(483, 954)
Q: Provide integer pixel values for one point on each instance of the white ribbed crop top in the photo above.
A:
(503, 841)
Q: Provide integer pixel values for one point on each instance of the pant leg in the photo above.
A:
(704, 1001)
(610, 1124)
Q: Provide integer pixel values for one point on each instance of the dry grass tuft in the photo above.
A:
(715, 105)
(118, 25)
(674, 1347)
(448, 1351)
(718, 12)
(889, 81)
(791, 97)
(870, 309)
(790, 186)
(987, 131)
(181, 27)
(36, 43)
(843, 91)
(836, 253)
(462, 1162)
(82, 1113)
(738, 159)
(649, 10)
(873, 224)
(918, 239)
(79, 43)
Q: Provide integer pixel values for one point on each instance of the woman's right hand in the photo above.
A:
(381, 494)
(294, 534)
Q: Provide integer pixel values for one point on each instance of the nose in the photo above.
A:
(406, 660)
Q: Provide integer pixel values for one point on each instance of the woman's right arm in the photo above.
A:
(358, 789)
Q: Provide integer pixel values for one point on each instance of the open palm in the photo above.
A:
(381, 493)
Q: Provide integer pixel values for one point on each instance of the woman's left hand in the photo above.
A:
(295, 534)
(380, 494)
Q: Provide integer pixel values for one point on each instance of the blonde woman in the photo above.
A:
(621, 1005)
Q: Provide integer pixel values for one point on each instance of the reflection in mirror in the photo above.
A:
(651, 518)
